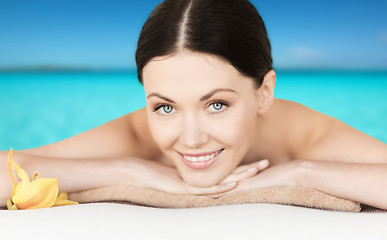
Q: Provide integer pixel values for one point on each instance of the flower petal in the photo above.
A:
(10, 172)
(40, 193)
(62, 196)
(62, 200)
(36, 176)
(20, 172)
(10, 205)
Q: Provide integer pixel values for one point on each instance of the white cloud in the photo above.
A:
(304, 52)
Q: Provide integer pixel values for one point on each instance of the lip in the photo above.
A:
(200, 154)
(200, 165)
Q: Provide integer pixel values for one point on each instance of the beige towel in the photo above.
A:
(298, 196)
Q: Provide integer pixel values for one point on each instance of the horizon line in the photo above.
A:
(54, 68)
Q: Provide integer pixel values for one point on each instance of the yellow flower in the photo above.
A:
(39, 193)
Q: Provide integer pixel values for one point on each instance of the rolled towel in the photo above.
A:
(297, 196)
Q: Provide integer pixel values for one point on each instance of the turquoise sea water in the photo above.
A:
(41, 108)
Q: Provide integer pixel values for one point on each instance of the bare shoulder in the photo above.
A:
(128, 135)
(317, 136)
(299, 127)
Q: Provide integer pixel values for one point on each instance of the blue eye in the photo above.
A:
(218, 107)
(167, 109)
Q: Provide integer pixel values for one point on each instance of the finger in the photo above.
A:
(250, 171)
(263, 164)
(216, 189)
(260, 164)
(235, 177)
(216, 196)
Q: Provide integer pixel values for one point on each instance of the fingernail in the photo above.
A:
(262, 163)
(230, 184)
(251, 169)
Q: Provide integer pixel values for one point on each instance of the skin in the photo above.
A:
(304, 147)
(195, 126)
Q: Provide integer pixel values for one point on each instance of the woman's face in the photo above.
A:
(200, 105)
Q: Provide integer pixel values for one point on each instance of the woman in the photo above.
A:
(211, 119)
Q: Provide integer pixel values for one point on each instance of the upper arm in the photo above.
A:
(342, 143)
(128, 135)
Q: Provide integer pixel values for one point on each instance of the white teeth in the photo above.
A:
(201, 158)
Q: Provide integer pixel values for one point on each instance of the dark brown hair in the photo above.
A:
(230, 29)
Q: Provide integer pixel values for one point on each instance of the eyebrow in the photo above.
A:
(205, 97)
(208, 95)
(160, 96)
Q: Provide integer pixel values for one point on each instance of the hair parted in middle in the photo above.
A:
(230, 29)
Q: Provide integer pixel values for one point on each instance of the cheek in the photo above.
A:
(235, 129)
(164, 132)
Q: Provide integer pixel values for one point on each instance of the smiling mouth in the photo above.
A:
(201, 157)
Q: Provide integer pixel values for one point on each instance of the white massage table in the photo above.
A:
(245, 221)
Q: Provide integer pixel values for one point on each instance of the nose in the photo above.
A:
(193, 134)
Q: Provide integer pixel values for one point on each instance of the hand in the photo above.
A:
(246, 171)
(163, 178)
(279, 175)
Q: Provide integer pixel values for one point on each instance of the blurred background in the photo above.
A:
(69, 66)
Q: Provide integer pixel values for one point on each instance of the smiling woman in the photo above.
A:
(210, 110)
(211, 120)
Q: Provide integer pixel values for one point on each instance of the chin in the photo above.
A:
(201, 180)
(200, 184)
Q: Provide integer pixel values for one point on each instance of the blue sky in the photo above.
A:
(103, 34)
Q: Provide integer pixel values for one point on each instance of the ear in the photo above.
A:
(266, 92)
